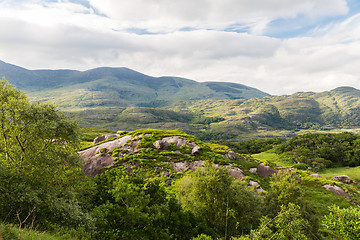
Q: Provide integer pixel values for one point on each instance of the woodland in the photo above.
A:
(44, 193)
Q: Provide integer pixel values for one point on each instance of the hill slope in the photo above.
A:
(238, 119)
(108, 87)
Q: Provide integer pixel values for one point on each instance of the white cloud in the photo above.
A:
(170, 15)
(67, 35)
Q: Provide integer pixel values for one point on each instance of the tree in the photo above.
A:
(39, 166)
(227, 205)
(285, 189)
(343, 222)
(35, 139)
(288, 224)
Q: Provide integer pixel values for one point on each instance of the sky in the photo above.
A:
(280, 47)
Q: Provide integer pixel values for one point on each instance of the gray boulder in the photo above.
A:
(104, 137)
(231, 155)
(342, 178)
(266, 171)
(253, 184)
(337, 190)
(315, 175)
(253, 170)
(195, 150)
(161, 144)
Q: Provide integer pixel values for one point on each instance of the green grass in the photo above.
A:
(271, 157)
(353, 173)
(9, 232)
(321, 199)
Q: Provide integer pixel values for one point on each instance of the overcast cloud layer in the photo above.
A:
(280, 47)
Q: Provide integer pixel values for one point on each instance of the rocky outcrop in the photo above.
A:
(266, 171)
(342, 178)
(101, 155)
(337, 190)
(95, 158)
(104, 154)
(104, 137)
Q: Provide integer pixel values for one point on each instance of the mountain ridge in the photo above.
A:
(107, 87)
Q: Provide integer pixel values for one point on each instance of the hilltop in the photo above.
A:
(114, 87)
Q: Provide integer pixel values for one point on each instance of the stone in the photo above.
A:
(342, 178)
(195, 164)
(104, 137)
(196, 150)
(161, 144)
(179, 141)
(253, 184)
(337, 190)
(266, 171)
(232, 155)
(236, 173)
(315, 175)
(179, 166)
(253, 170)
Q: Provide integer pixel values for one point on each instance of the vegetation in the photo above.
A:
(141, 196)
(228, 207)
(322, 150)
(343, 222)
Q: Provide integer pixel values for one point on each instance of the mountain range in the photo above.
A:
(123, 99)
(114, 87)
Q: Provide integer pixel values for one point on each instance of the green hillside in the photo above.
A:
(114, 87)
(335, 110)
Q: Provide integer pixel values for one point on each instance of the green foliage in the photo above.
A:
(253, 146)
(227, 205)
(129, 205)
(344, 223)
(284, 189)
(36, 139)
(288, 224)
(8, 232)
(322, 150)
(39, 169)
(202, 237)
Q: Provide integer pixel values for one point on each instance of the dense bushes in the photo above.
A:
(322, 150)
(253, 146)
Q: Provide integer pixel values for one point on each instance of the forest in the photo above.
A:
(44, 193)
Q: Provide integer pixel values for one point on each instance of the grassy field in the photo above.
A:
(353, 173)
(271, 157)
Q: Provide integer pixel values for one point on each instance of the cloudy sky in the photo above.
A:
(280, 47)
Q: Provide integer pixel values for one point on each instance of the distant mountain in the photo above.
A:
(114, 87)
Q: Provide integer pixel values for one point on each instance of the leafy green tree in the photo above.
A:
(226, 204)
(285, 189)
(130, 205)
(35, 138)
(39, 168)
(343, 222)
(288, 224)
